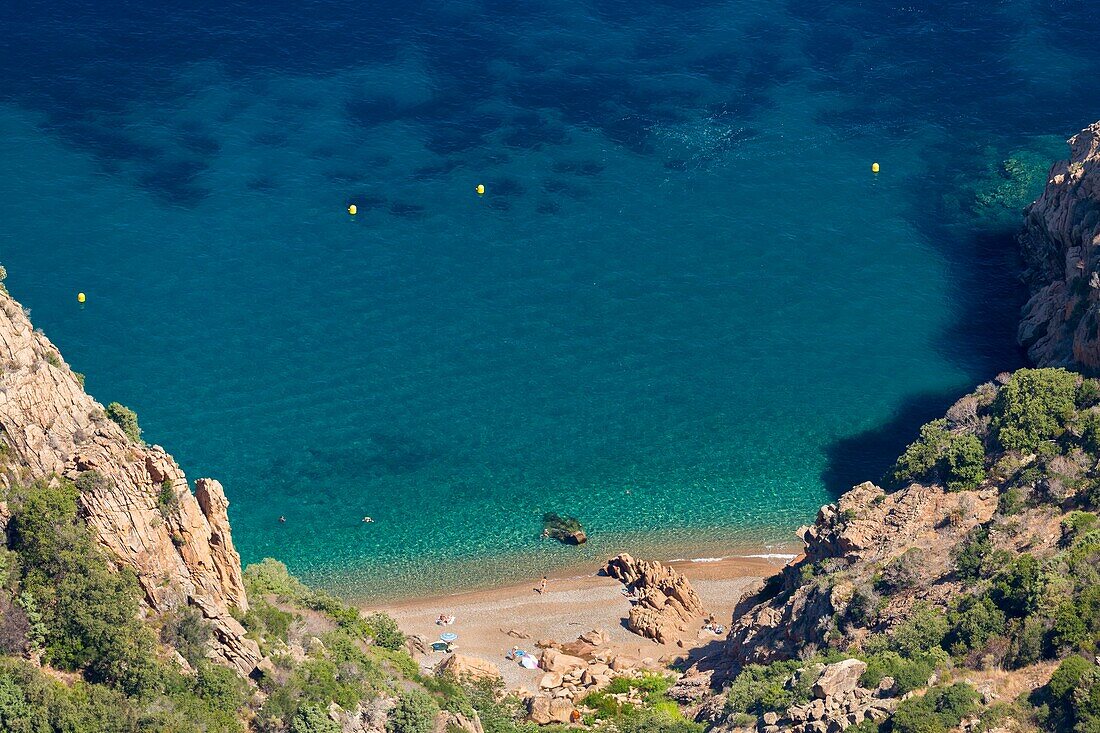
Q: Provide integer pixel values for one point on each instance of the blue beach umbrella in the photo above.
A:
(448, 636)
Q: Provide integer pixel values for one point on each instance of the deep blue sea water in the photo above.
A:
(685, 310)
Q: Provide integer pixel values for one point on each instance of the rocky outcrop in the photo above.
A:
(850, 542)
(838, 702)
(1060, 325)
(449, 720)
(467, 668)
(370, 717)
(665, 605)
(567, 680)
(180, 549)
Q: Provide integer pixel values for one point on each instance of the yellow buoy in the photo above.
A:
(80, 298)
(353, 209)
(874, 167)
(480, 189)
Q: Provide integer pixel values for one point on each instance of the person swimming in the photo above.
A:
(368, 519)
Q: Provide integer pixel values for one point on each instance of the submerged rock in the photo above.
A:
(564, 529)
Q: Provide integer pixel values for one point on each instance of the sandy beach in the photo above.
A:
(570, 606)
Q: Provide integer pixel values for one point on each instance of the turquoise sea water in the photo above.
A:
(684, 311)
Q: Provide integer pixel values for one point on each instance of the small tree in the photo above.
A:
(313, 719)
(414, 713)
(1034, 407)
(126, 419)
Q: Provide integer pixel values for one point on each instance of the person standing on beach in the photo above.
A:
(542, 586)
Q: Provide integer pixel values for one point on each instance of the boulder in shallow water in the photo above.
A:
(564, 529)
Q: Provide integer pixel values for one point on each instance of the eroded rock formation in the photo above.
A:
(1060, 324)
(665, 606)
(180, 549)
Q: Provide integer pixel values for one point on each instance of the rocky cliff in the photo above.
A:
(986, 525)
(134, 496)
(1060, 324)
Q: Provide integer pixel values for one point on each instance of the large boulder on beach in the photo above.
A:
(554, 661)
(463, 667)
(550, 680)
(544, 710)
(595, 637)
(665, 607)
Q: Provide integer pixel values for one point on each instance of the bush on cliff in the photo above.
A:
(126, 419)
(272, 578)
(313, 719)
(760, 689)
(1070, 701)
(937, 711)
(1034, 407)
(414, 713)
(957, 459)
(89, 610)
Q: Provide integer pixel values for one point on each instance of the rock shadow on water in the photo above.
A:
(530, 131)
(174, 182)
(381, 455)
(558, 186)
(868, 455)
(434, 171)
(406, 210)
(586, 168)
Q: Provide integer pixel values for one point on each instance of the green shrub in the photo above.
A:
(271, 577)
(973, 623)
(974, 556)
(385, 632)
(660, 719)
(1076, 524)
(864, 606)
(1088, 394)
(91, 481)
(1011, 501)
(31, 702)
(1072, 696)
(1089, 427)
(759, 689)
(313, 719)
(1034, 407)
(188, 633)
(922, 632)
(267, 624)
(938, 711)
(88, 610)
(168, 500)
(957, 459)
(1017, 589)
(964, 463)
(908, 674)
(126, 419)
(414, 713)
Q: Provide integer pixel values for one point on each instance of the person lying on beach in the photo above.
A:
(445, 620)
(511, 655)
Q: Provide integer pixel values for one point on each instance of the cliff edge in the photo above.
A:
(1060, 324)
(133, 496)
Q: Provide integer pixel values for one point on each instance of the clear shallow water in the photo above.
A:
(683, 282)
